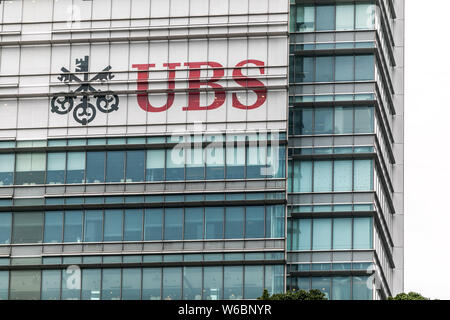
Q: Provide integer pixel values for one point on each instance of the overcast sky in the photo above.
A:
(427, 163)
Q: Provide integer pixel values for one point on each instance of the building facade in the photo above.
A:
(345, 179)
(195, 149)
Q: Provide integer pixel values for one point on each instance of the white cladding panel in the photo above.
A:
(118, 35)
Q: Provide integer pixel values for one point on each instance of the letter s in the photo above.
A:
(258, 87)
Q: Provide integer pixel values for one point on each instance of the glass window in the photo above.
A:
(30, 168)
(235, 161)
(131, 283)
(364, 120)
(324, 69)
(4, 285)
(303, 176)
(173, 224)
(304, 122)
(325, 17)
(343, 120)
(363, 176)
(275, 221)
(322, 234)
(256, 161)
(305, 18)
(135, 166)
(153, 224)
(362, 233)
(212, 283)
(341, 288)
(192, 283)
(195, 162)
(6, 169)
(362, 288)
(76, 164)
(53, 227)
(56, 167)
(25, 285)
(5, 228)
(93, 225)
(95, 168)
(151, 284)
(343, 175)
(303, 232)
(323, 121)
(155, 165)
(364, 67)
(133, 225)
(323, 284)
(254, 222)
(345, 16)
(111, 284)
(90, 287)
(28, 227)
(274, 279)
(304, 69)
(345, 68)
(322, 176)
(193, 223)
(233, 282)
(253, 281)
(234, 223)
(215, 160)
(214, 222)
(51, 285)
(73, 226)
(175, 164)
(71, 284)
(342, 234)
(115, 166)
(172, 283)
(113, 225)
(365, 16)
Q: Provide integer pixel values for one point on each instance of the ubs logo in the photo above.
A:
(84, 112)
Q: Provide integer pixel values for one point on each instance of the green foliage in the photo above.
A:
(409, 296)
(294, 295)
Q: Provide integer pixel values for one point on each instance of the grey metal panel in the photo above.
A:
(112, 248)
(254, 244)
(234, 244)
(363, 197)
(135, 188)
(29, 192)
(155, 187)
(172, 246)
(95, 189)
(321, 257)
(93, 248)
(52, 249)
(135, 247)
(343, 141)
(363, 256)
(322, 198)
(343, 198)
(323, 141)
(26, 251)
(342, 256)
(153, 246)
(55, 190)
(193, 245)
(214, 245)
(6, 191)
(74, 189)
(115, 188)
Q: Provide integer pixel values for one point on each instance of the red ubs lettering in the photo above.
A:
(195, 84)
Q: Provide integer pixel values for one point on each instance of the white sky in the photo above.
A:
(427, 165)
